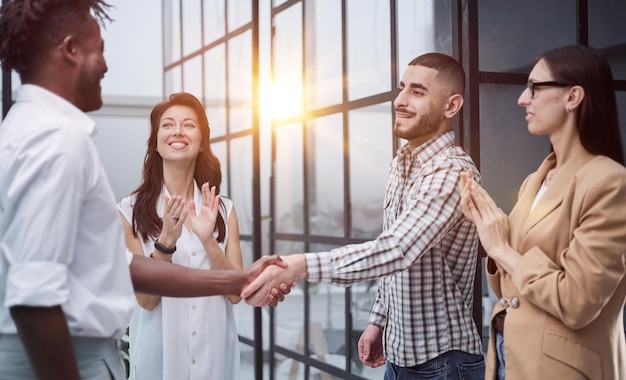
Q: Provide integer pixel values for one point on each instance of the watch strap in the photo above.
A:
(164, 249)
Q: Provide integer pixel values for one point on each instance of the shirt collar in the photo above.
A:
(197, 198)
(429, 149)
(38, 95)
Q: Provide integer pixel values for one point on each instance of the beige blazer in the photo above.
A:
(565, 299)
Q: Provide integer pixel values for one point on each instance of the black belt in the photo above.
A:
(498, 321)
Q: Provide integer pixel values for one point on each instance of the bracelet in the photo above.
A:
(164, 249)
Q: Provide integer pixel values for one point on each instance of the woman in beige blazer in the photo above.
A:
(557, 262)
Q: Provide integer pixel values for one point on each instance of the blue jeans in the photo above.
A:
(452, 365)
(500, 354)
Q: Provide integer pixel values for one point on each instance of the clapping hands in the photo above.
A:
(174, 216)
(492, 224)
(177, 211)
(203, 224)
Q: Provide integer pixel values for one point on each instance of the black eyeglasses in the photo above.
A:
(532, 85)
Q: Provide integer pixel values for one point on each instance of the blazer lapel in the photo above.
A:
(550, 199)
(555, 193)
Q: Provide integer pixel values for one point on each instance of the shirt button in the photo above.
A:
(514, 302)
(193, 307)
(193, 361)
(193, 333)
(193, 253)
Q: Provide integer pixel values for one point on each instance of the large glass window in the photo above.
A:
(192, 26)
(215, 89)
(370, 152)
(214, 25)
(286, 70)
(173, 80)
(288, 179)
(369, 50)
(240, 82)
(323, 53)
(607, 31)
(192, 76)
(508, 152)
(416, 30)
(240, 181)
(239, 13)
(326, 184)
(512, 34)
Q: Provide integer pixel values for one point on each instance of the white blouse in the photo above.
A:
(542, 190)
(184, 338)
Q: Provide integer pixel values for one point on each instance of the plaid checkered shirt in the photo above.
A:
(425, 257)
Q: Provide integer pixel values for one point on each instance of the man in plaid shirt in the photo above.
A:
(421, 324)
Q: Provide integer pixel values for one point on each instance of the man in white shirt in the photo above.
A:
(66, 292)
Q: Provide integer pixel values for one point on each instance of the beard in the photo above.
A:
(90, 90)
(423, 126)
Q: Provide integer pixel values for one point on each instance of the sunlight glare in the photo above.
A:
(281, 100)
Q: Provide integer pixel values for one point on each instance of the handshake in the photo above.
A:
(264, 283)
(270, 278)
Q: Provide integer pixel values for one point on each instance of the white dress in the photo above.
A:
(184, 338)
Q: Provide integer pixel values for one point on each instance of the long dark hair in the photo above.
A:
(30, 29)
(146, 222)
(597, 121)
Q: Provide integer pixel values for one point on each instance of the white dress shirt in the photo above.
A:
(61, 240)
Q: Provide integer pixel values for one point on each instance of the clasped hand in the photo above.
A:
(492, 224)
(274, 282)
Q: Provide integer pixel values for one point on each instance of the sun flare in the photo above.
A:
(281, 99)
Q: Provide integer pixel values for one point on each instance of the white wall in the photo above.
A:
(121, 144)
(133, 49)
(133, 84)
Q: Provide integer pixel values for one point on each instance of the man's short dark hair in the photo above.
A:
(448, 69)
